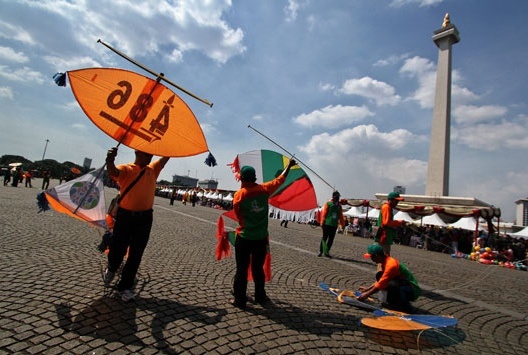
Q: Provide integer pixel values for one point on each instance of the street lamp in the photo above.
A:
(46, 146)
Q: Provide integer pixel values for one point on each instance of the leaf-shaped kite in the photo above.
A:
(138, 112)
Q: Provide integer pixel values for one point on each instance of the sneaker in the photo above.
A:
(320, 254)
(127, 295)
(108, 277)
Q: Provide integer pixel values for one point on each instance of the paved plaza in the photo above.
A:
(52, 298)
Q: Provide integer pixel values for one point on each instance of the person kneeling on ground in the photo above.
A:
(399, 284)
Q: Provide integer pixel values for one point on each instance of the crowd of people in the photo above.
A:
(193, 197)
(449, 240)
(17, 176)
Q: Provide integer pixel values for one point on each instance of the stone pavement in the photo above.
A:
(52, 299)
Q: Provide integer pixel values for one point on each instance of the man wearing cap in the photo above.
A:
(250, 205)
(387, 223)
(134, 216)
(395, 278)
(331, 218)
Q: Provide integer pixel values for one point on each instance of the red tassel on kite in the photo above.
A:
(224, 250)
(267, 268)
(222, 247)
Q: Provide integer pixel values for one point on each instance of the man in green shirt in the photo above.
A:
(250, 205)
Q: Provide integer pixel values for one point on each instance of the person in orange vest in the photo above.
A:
(386, 222)
(28, 177)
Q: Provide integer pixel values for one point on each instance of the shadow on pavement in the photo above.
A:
(301, 320)
(417, 340)
(110, 319)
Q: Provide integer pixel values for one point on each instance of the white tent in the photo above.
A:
(402, 216)
(467, 223)
(229, 197)
(433, 220)
(523, 233)
(372, 213)
(353, 212)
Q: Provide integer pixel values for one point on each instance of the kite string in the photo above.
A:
(292, 155)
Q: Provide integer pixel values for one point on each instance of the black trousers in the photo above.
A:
(249, 252)
(132, 232)
(399, 293)
(329, 233)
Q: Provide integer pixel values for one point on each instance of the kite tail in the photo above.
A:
(267, 267)
(222, 247)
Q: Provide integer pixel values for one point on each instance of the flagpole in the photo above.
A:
(292, 155)
(160, 75)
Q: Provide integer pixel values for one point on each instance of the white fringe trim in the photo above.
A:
(297, 216)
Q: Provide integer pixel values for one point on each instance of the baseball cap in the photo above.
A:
(373, 249)
(247, 173)
(395, 196)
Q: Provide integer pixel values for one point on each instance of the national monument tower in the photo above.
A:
(437, 183)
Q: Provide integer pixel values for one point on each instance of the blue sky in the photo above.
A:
(345, 85)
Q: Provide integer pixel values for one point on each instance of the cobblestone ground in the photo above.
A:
(52, 299)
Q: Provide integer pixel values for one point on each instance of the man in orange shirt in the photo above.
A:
(387, 223)
(134, 216)
(394, 279)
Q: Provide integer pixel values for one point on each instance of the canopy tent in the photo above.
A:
(432, 220)
(353, 212)
(523, 233)
(403, 216)
(467, 223)
(372, 213)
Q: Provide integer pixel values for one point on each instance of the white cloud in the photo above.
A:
(179, 26)
(381, 93)
(391, 60)
(326, 87)
(493, 136)
(424, 71)
(291, 10)
(16, 33)
(24, 75)
(6, 92)
(11, 55)
(363, 137)
(398, 170)
(365, 160)
(333, 116)
(420, 3)
(469, 114)
(65, 64)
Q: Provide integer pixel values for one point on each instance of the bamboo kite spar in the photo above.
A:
(292, 155)
(158, 75)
